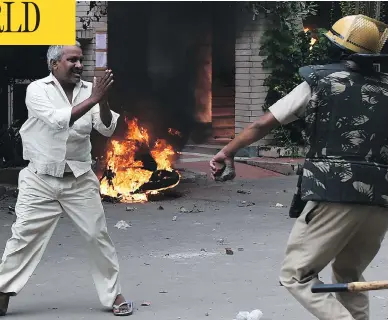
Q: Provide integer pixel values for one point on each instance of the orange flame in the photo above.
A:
(174, 132)
(130, 174)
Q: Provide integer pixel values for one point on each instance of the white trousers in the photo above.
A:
(40, 202)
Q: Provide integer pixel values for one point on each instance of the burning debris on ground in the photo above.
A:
(138, 167)
(111, 199)
(164, 194)
(109, 175)
(159, 179)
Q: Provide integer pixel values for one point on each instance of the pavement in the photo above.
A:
(198, 162)
(195, 164)
(176, 259)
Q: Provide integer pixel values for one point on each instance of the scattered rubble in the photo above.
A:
(246, 204)
(193, 210)
(243, 191)
(245, 315)
(190, 255)
(122, 225)
(229, 251)
(130, 209)
(221, 241)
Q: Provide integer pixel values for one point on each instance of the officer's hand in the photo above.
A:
(218, 164)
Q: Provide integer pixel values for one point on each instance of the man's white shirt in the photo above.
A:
(49, 143)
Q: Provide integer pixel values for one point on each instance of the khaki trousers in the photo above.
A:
(350, 235)
(40, 202)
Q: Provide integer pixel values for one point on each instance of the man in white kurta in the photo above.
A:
(59, 178)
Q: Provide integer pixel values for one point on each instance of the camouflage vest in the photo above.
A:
(347, 129)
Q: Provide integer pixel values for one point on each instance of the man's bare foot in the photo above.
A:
(121, 307)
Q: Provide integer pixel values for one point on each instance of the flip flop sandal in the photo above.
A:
(117, 310)
(4, 301)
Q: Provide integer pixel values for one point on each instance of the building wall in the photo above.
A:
(89, 45)
(250, 75)
(250, 91)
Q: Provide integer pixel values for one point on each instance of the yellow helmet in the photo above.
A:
(359, 33)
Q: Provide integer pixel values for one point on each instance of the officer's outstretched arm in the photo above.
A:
(254, 132)
(288, 109)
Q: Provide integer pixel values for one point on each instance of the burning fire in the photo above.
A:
(312, 41)
(127, 174)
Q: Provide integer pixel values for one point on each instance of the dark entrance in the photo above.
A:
(162, 55)
(19, 63)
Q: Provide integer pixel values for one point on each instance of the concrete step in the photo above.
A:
(219, 141)
(213, 146)
(211, 149)
(270, 158)
(285, 166)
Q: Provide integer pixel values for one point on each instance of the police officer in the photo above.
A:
(345, 175)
